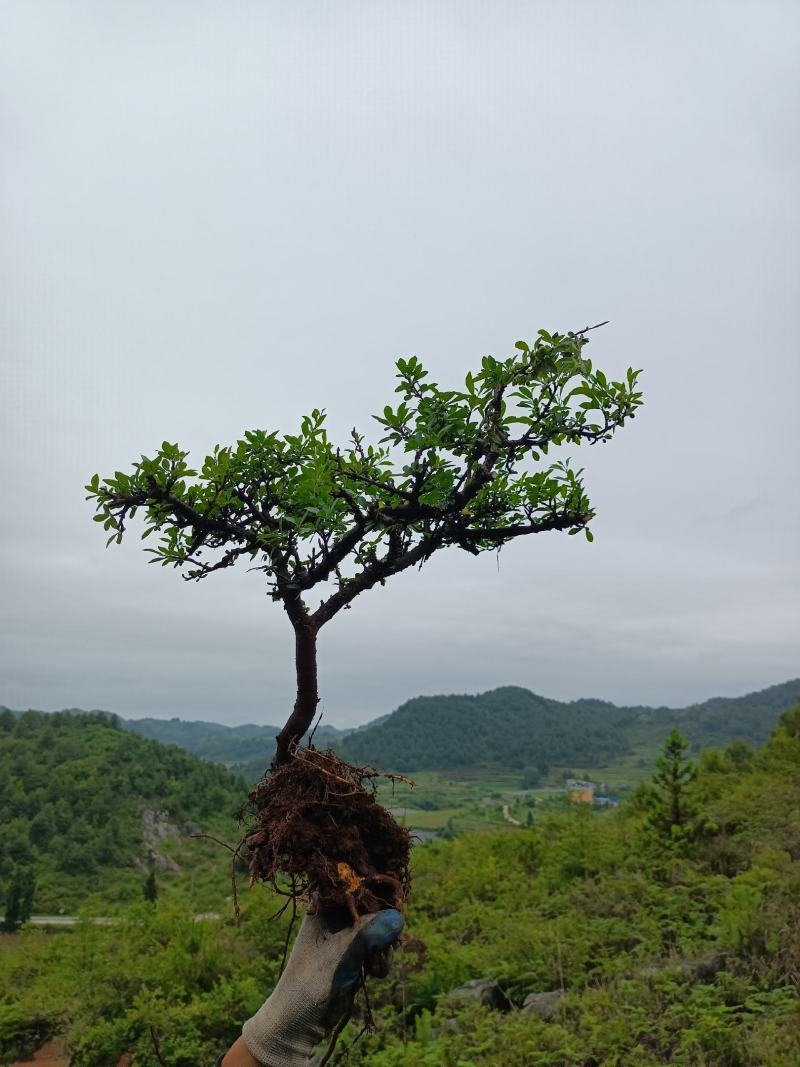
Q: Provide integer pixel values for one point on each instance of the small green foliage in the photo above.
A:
(453, 468)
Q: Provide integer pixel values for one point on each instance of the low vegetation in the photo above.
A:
(664, 931)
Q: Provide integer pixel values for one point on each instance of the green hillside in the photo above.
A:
(512, 727)
(232, 745)
(717, 721)
(601, 937)
(509, 727)
(79, 798)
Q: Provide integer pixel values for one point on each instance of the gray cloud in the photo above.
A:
(216, 218)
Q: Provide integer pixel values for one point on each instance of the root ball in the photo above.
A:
(316, 821)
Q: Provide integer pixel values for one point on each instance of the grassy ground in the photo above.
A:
(461, 800)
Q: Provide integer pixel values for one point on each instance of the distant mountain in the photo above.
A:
(508, 727)
(512, 727)
(246, 749)
(720, 720)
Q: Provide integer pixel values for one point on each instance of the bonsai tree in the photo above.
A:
(453, 468)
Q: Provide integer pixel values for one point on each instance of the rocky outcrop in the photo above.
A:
(483, 991)
(545, 1005)
(704, 969)
(156, 828)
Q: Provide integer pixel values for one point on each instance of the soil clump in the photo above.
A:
(316, 823)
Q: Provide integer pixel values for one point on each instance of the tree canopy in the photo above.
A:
(468, 468)
(449, 470)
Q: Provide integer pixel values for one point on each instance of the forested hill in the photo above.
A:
(73, 790)
(224, 744)
(512, 727)
(716, 721)
(509, 727)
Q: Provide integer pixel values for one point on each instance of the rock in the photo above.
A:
(704, 969)
(707, 968)
(545, 1005)
(157, 827)
(481, 991)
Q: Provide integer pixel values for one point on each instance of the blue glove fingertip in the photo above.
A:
(383, 931)
(376, 936)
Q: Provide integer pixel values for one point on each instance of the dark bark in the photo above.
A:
(305, 705)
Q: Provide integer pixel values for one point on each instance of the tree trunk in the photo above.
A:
(305, 705)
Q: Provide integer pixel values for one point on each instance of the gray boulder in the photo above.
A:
(704, 969)
(545, 1005)
(480, 991)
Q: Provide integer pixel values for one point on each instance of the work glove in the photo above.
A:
(316, 990)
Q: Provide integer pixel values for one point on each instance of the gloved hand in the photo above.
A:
(316, 990)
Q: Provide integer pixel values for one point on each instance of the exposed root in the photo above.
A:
(315, 821)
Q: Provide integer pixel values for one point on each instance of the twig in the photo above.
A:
(369, 1024)
(291, 926)
(345, 1053)
(234, 856)
(316, 757)
(311, 735)
(156, 1043)
(234, 890)
(586, 329)
(283, 907)
(217, 841)
(345, 1019)
(369, 1020)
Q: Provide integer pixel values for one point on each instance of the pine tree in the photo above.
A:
(673, 809)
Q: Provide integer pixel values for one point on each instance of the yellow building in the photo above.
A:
(581, 792)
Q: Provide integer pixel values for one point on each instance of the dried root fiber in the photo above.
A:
(314, 822)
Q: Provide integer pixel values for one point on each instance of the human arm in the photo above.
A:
(316, 990)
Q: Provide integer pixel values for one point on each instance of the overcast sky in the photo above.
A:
(218, 216)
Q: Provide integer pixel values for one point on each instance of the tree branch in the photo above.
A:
(373, 573)
(565, 521)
